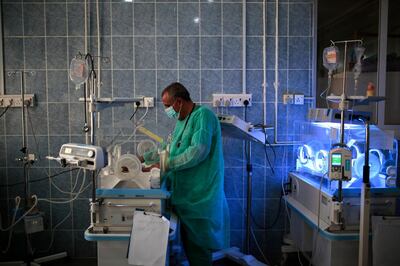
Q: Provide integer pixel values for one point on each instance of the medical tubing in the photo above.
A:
(54, 230)
(72, 190)
(258, 247)
(18, 200)
(4, 251)
(318, 218)
(3, 113)
(242, 207)
(130, 137)
(286, 207)
(326, 91)
(40, 179)
(71, 200)
(65, 218)
(137, 125)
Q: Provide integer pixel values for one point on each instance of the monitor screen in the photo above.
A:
(336, 159)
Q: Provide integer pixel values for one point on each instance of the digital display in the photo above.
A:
(336, 159)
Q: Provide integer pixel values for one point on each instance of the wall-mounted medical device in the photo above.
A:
(84, 156)
(234, 127)
(339, 164)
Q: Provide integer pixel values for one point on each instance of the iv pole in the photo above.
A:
(365, 189)
(365, 206)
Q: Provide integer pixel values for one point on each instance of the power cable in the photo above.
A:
(136, 109)
(3, 113)
(40, 179)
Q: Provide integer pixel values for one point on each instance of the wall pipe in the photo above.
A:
(98, 48)
(244, 48)
(264, 84)
(276, 82)
(2, 84)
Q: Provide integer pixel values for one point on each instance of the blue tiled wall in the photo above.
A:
(151, 44)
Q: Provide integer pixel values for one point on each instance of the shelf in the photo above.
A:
(106, 102)
(356, 100)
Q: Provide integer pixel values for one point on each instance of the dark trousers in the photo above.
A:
(196, 255)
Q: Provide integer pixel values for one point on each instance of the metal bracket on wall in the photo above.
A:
(16, 100)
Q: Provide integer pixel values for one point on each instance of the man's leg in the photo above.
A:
(196, 255)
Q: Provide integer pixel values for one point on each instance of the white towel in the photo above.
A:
(149, 239)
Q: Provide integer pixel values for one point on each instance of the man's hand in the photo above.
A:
(141, 159)
(148, 169)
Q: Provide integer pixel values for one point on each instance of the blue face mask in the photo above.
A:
(171, 113)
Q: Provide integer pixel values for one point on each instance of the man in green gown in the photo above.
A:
(196, 175)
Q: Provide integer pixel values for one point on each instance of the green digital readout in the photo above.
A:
(336, 159)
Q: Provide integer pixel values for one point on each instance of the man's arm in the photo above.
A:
(200, 144)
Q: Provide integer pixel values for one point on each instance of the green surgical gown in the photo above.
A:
(196, 173)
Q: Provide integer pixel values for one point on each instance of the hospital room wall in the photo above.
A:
(151, 44)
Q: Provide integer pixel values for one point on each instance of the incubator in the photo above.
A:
(319, 137)
(123, 189)
(327, 210)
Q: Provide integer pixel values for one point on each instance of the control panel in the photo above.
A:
(340, 164)
(84, 156)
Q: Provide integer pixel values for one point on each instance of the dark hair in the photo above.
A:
(176, 90)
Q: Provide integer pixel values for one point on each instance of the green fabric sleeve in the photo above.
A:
(199, 147)
(151, 157)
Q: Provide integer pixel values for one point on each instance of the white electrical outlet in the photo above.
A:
(16, 100)
(299, 99)
(147, 102)
(231, 100)
(288, 99)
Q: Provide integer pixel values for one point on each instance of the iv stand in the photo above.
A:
(27, 159)
(343, 106)
(249, 170)
(365, 206)
(365, 189)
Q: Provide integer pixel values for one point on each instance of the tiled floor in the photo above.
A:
(93, 262)
(72, 262)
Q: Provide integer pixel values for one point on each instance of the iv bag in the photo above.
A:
(331, 58)
(78, 71)
(359, 52)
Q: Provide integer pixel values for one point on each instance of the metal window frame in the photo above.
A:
(382, 63)
(2, 90)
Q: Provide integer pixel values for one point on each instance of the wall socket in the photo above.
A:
(147, 102)
(16, 100)
(231, 100)
(299, 99)
(290, 98)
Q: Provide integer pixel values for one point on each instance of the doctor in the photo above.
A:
(196, 174)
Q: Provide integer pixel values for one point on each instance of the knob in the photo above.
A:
(90, 154)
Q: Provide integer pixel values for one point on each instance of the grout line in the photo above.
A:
(200, 53)
(71, 204)
(152, 36)
(47, 113)
(177, 41)
(112, 68)
(222, 48)
(156, 66)
(167, 69)
(133, 49)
